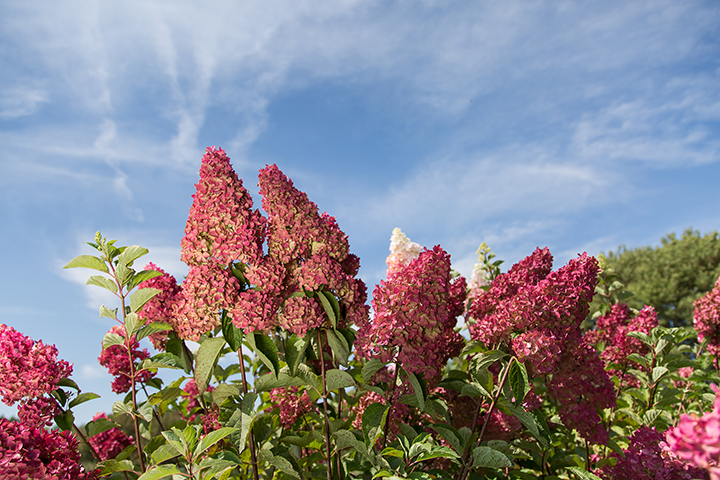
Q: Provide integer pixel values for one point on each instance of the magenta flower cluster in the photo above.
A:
(707, 319)
(612, 330)
(110, 443)
(163, 306)
(116, 359)
(223, 242)
(27, 452)
(39, 412)
(292, 404)
(415, 312)
(536, 313)
(647, 458)
(28, 369)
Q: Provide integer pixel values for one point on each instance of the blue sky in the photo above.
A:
(575, 125)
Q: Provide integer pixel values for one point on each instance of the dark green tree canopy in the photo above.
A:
(669, 277)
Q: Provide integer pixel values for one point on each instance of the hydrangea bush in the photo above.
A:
(497, 377)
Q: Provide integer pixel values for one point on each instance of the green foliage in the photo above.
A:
(669, 277)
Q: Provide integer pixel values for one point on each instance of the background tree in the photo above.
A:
(669, 277)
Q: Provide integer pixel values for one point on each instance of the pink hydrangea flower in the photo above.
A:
(612, 329)
(292, 404)
(646, 459)
(402, 252)
(39, 412)
(28, 368)
(193, 401)
(115, 358)
(27, 453)
(207, 290)
(707, 319)
(221, 227)
(540, 348)
(416, 311)
(696, 440)
(110, 443)
(160, 307)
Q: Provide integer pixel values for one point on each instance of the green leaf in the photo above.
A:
(177, 347)
(65, 420)
(130, 254)
(164, 360)
(99, 426)
(518, 381)
(265, 349)
(420, 392)
(583, 474)
(121, 407)
(270, 381)
(336, 379)
(141, 297)
(347, 439)
(211, 439)
(155, 327)
(247, 416)
(339, 346)
(164, 453)
(658, 373)
(334, 304)
(295, 348)
(82, 398)
(160, 471)
(207, 357)
(176, 439)
(102, 282)
(233, 335)
(66, 382)
(373, 422)
(142, 276)
(474, 390)
(107, 313)
(87, 261)
(111, 466)
(487, 457)
(223, 391)
(133, 323)
(370, 368)
(528, 420)
(279, 462)
(450, 435)
(325, 302)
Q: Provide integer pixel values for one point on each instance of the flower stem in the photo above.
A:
(251, 439)
(328, 462)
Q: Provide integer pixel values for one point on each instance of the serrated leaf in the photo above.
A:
(207, 357)
(334, 304)
(232, 335)
(419, 389)
(658, 373)
(347, 439)
(65, 420)
(133, 323)
(370, 368)
(474, 390)
(265, 349)
(177, 347)
(111, 339)
(107, 313)
(327, 306)
(487, 457)
(121, 407)
(164, 360)
(164, 453)
(528, 420)
(130, 254)
(373, 422)
(152, 328)
(518, 381)
(211, 439)
(160, 471)
(102, 282)
(99, 426)
(336, 379)
(142, 276)
(270, 381)
(339, 346)
(583, 474)
(295, 348)
(82, 398)
(223, 391)
(66, 382)
(141, 297)
(279, 462)
(450, 435)
(111, 466)
(87, 261)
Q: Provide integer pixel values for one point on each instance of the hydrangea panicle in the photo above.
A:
(707, 319)
(39, 412)
(28, 369)
(221, 227)
(292, 404)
